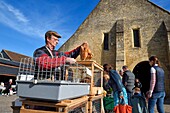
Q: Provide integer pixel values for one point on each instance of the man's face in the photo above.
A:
(124, 69)
(53, 41)
(150, 63)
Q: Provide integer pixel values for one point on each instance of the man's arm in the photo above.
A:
(73, 53)
(44, 61)
(152, 82)
(124, 79)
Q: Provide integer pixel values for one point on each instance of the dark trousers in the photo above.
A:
(129, 95)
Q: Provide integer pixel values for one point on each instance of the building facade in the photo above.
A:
(9, 65)
(126, 32)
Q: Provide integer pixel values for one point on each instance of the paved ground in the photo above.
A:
(6, 103)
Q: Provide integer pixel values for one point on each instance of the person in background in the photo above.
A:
(8, 87)
(108, 97)
(119, 91)
(121, 73)
(137, 91)
(138, 102)
(138, 83)
(137, 88)
(47, 57)
(2, 88)
(106, 78)
(128, 81)
(156, 93)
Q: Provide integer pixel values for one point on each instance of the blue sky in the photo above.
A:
(24, 22)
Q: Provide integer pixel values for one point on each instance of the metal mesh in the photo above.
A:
(96, 106)
(97, 78)
(50, 69)
(79, 109)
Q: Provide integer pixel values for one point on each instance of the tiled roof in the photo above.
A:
(14, 56)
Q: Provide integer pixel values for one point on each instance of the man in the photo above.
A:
(121, 73)
(128, 81)
(156, 93)
(48, 59)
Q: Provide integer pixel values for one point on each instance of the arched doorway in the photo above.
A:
(142, 72)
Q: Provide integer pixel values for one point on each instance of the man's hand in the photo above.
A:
(70, 60)
(120, 94)
(149, 94)
(121, 97)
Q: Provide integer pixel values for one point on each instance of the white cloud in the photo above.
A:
(33, 22)
(17, 14)
(15, 19)
(36, 24)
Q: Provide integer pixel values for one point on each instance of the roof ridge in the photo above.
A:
(14, 56)
(14, 52)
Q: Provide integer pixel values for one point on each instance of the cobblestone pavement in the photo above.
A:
(6, 103)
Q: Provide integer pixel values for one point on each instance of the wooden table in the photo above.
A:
(60, 107)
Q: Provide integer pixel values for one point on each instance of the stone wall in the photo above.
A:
(119, 18)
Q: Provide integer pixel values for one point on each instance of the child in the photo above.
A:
(138, 101)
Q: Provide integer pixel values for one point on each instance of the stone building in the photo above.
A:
(127, 32)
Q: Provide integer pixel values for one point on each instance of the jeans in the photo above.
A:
(129, 95)
(156, 99)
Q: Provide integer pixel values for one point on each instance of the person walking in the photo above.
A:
(156, 93)
(128, 81)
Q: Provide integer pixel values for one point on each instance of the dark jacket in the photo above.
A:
(47, 63)
(8, 87)
(115, 81)
(138, 84)
(160, 82)
(129, 78)
(44, 58)
(138, 104)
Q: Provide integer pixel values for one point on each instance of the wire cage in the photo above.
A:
(46, 78)
(96, 78)
(97, 104)
(96, 108)
(79, 109)
(29, 69)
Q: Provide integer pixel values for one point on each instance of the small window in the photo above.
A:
(106, 41)
(136, 37)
